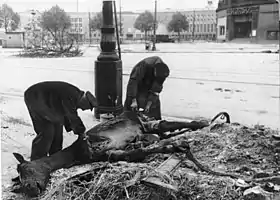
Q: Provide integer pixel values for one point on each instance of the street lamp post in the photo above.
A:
(108, 68)
(155, 24)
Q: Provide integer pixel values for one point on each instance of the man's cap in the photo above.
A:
(91, 99)
(162, 70)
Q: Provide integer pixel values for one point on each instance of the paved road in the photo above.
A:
(246, 85)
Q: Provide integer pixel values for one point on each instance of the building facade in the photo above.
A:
(13, 40)
(255, 20)
(202, 24)
(79, 25)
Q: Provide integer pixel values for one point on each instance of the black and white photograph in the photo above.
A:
(140, 100)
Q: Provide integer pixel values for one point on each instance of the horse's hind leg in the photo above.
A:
(137, 155)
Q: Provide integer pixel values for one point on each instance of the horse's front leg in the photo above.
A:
(161, 127)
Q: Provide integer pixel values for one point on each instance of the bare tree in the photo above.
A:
(8, 18)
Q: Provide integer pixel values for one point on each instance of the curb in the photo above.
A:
(209, 52)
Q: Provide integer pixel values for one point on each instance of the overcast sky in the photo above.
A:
(96, 5)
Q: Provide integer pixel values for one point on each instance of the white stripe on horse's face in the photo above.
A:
(19, 173)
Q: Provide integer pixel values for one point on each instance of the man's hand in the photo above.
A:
(134, 105)
(67, 124)
(148, 106)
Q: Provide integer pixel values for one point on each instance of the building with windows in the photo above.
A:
(79, 25)
(202, 23)
(253, 20)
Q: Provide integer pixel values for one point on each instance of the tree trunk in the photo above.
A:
(5, 24)
(179, 37)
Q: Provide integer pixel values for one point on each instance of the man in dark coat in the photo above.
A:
(144, 85)
(51, 105)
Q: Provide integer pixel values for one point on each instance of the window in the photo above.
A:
(212, 27)
(75, 19)
(222, 30)
(204, 28)
(272, 35)
(208, 27)
(80, 19)
(201, 27)
(197, 27)
(80, 25)
(94, 35)
(129, 35)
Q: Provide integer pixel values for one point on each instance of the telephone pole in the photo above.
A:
(193, 29)
(89, 28)
(121, 36)
(155, 24)
(77, 29)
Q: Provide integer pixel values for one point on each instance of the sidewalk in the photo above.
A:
(201, 48)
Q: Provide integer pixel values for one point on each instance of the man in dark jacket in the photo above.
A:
(144, 85)
(51, 105)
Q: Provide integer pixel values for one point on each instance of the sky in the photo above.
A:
(96, 5)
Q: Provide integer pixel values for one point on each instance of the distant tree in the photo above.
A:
(178, 23)
(144, 22)
(33, 32)
(8, 18)
(56, 23)
(96, 22)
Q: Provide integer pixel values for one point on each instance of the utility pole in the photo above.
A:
(121, 36)
(77, 29)
(279, 23)
(89, 28)
(77, 5)
(193, 29)
(155, 24)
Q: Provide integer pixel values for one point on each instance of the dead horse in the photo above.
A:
(113, 140)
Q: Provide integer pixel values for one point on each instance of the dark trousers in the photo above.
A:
(155, 110)
(49, 137)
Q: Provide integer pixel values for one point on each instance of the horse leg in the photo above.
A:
(137, 155)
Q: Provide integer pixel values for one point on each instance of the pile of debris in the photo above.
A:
(252, 154)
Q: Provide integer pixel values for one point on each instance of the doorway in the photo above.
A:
(242, 29)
